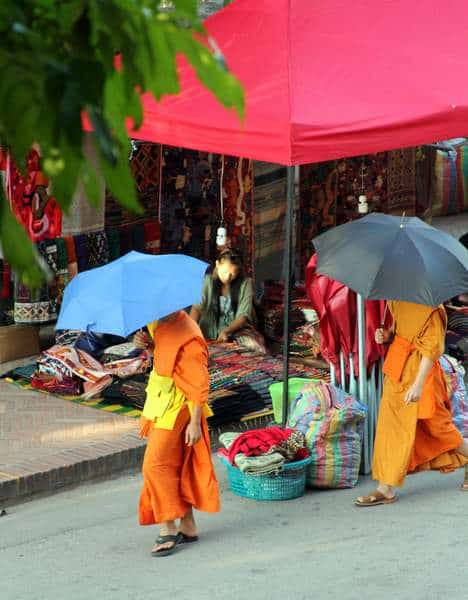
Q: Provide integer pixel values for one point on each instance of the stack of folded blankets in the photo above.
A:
(263, 451)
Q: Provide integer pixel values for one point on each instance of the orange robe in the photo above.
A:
(421, 435)
(177, 477)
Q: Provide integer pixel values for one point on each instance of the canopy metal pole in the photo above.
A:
(361, 317)
(289, 256)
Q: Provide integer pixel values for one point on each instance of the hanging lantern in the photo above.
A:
(363, 206)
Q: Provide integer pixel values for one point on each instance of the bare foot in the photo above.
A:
(188, 525)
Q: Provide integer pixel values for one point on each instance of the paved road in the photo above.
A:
(85, 543)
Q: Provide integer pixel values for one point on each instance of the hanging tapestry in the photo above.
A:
(425, 159)
(269, 219)
(238, 206)
(190, 210)
(82, 217)
(38, 305)
(145, 166)
(30, 201)
(449, 193)
(329, 193)
(401, 182)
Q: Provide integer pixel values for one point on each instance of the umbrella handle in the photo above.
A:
(382, 324)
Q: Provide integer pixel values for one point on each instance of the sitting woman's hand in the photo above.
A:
(383, 336)
(223, 336)
(141, 340)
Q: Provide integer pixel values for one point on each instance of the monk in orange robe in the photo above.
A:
(414, 430)
(178, 473)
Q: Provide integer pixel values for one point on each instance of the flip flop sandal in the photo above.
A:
(183, 538)
(163, 539)
(464, 486)
(375, 499)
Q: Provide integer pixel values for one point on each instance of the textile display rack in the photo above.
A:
(289, 48)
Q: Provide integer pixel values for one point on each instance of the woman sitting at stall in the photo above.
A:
(227, 312)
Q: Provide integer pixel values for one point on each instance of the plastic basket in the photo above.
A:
(286, 484)
(276, 393)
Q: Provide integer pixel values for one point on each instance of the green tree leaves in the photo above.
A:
(58, 62)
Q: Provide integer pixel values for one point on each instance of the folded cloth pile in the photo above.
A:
(266, 464)
(54, 384)
(306, 341)
(288, 443)
(66, 361)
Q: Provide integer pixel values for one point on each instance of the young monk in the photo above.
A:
(415, 430)
(178, 473)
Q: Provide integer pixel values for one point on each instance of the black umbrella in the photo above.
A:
(394, 258)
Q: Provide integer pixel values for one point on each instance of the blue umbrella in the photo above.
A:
(394, 258)
(130, 292)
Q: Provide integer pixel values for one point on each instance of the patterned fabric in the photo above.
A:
(145, 165)
(455, 378)
(39, 305)
(62, 275)
(191, 207)
(97, 249)
(71, 256)
(113, 242)
(265, 441)
(332, 423)
(138, 237)
(238, 206)
(269, 211)
(401, 182)
(38, 212)
(329, 194)
(462, 178)
(81, 248)
(66, 361)
(449, 193)
(152, 238)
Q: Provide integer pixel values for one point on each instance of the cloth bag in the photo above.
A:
(332, 423)
(455, 378)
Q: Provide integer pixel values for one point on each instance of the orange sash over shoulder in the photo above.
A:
(397, 357)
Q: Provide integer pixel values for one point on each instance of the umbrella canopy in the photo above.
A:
(130, 292)
(394, 258)
(325, 80)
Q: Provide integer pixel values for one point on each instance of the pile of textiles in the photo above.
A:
(67, 368)
(332, 423)
(263, 451)
(240, 381)
(305, 340)
(131, 391)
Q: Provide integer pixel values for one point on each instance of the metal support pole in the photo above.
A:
(289, 256)
(361, 316)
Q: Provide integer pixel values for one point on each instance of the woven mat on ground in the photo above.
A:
(99, 403)
(239, 387)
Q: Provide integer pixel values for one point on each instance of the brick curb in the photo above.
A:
(22, 481)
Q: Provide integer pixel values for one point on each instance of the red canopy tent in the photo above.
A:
(325, 79)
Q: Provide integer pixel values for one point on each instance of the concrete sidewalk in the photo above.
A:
(47, 443)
